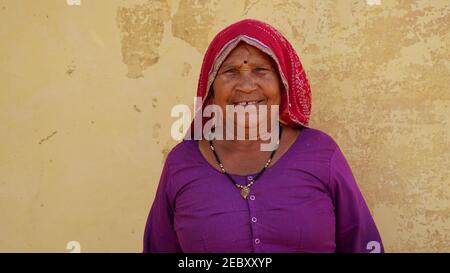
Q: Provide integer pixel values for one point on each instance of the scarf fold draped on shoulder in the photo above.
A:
(295, 106)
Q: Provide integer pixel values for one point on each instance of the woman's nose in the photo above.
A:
(246, 82)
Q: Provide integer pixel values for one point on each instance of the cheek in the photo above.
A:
(273, 93)
(222, 92)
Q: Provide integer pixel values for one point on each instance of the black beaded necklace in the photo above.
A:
(245, 190)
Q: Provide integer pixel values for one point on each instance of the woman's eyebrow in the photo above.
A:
(256, 64)
(229, 65)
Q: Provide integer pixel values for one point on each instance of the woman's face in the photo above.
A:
(247, 76)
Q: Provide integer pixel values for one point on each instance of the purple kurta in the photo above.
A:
(307, 201)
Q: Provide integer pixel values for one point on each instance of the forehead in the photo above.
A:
(246, 52)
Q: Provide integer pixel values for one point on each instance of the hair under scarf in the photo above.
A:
(295, 106)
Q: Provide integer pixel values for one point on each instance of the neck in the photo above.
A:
(245, 144)
(240, 145)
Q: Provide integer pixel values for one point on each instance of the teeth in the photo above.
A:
(245, 103)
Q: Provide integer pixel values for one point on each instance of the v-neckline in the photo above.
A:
(271, 167)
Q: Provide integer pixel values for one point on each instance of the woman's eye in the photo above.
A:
(231, 71)
(261, 70)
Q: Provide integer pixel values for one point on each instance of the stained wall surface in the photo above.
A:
(86, 92)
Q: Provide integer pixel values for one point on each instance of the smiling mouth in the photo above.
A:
(247, 103)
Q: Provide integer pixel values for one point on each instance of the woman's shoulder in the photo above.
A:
(183, 151)
(317, 138)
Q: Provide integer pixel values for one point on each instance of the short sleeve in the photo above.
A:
(355, 228)
(159, 234)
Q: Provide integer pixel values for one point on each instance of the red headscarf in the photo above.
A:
(295, 106)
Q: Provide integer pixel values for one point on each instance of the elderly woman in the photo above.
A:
(230, 195)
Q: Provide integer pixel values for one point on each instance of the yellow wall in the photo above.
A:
(86, 93)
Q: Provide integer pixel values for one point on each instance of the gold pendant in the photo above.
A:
(245, 191)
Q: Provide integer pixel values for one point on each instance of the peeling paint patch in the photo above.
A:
(155, 133)
(142, 29)
(136, 108)
(193, 21)
(47, 137)
(70, 69)
(248, 5)
(73, 2)
(186, 69)
(373, 2)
